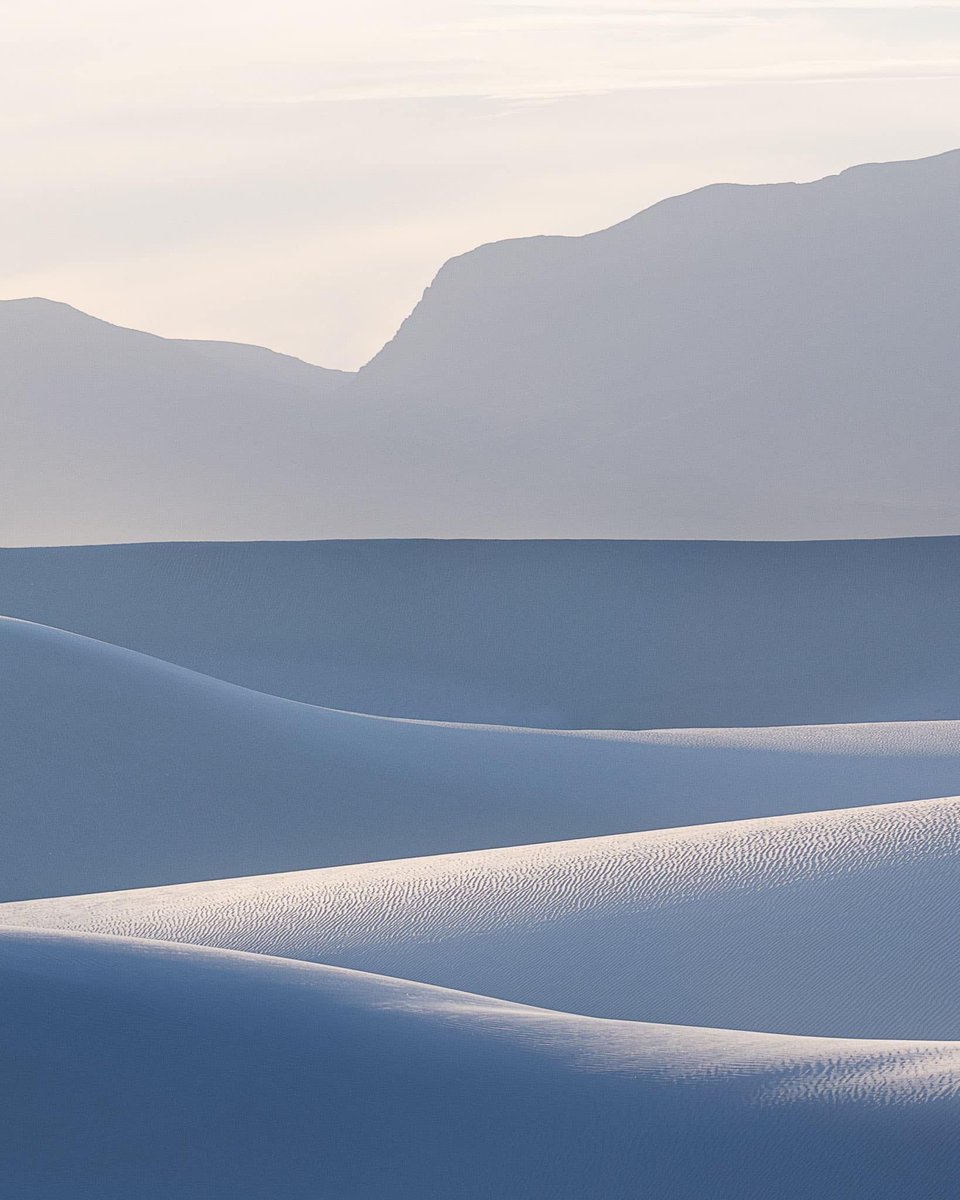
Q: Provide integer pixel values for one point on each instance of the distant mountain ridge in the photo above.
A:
(111, 431)
(36, 315)
(742, 362)
(776, 361)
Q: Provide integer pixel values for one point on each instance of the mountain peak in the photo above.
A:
(745, 361)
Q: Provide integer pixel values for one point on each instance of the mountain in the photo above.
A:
(158, 1071)
(563, 634)
(54, 338)
(580, 867)
(742, 362)
(112, 431)
(274, 369)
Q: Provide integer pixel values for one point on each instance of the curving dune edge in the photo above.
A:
(753, 993)
(232, 1074)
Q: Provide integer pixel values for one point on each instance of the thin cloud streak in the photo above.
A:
(785, 73)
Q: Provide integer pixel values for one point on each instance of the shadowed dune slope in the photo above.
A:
(833, 924)
(179, 1072)
(120, 770)
(601, 635)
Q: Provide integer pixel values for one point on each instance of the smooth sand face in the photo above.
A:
(561, 634)
(196, 778)
(172, 1070)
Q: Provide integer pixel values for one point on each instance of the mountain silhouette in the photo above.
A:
(757, 362)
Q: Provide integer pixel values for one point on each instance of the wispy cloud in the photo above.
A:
(812, 71)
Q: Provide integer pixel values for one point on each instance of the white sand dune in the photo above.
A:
(483, 988)
(137, 1069)
(576, 635)
(830, 924)
(119, 770)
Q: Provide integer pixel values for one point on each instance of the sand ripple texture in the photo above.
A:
(839, 923)
(119, 770)
(242, 1076)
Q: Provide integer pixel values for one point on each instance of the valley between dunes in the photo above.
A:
(332, 953)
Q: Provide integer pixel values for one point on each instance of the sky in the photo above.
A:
(294, 172)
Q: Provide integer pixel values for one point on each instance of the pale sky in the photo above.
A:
(293, 173)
